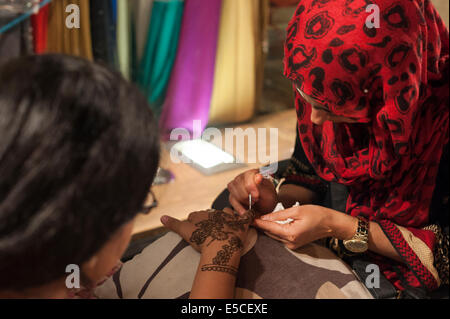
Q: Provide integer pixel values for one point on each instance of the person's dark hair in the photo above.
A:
(79, 150)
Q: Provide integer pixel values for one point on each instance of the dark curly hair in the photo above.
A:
(79, 149)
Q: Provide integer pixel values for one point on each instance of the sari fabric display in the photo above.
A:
(160, 51)
(262, 16)
(114, 8)
(219, 72)
(103, 29)
(284, 3)
(393, 81)
(39, 23)
(123, 38)
(142, 11)
(73, 41)
(189, 93)
(234, 91)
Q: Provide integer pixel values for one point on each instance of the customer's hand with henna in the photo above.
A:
(220, 236)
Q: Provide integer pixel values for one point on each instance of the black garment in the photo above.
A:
(300, 172)
(439, 213)
(103, 32)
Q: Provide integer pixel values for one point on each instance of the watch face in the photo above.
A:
(356, 246)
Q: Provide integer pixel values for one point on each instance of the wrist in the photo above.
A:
(342, 226)
(210, 256)
(212, 260)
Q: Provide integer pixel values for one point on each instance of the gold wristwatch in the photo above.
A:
(359, 243)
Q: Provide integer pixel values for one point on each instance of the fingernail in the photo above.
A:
(164, 219)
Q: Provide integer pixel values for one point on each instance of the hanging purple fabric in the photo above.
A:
(189, 93)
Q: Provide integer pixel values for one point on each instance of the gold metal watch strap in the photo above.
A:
(363, 228)
(361, 237)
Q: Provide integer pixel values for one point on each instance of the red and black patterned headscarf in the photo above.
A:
(393, 80)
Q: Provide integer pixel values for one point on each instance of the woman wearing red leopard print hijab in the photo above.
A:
(373, 114)
(389, 79)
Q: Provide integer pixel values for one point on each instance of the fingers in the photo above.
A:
(228, 210)
(258, 179)
(245, 184)
(182, 228)
(251, 183)
(236, 205)
(288, 244)
(282, 233)
(239, 192)
(273, 228)
(171, 223)
(195, 217)
(281, 215)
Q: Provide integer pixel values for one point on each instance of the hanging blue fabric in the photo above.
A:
(114, 10)
(103, 32)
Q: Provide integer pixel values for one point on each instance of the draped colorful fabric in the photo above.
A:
(284, 3)
(189, 93)
(39, 22)
(142, 11)
(73, 41)
(160, 51)
(123, 38)
(103, 31)
(114, 7)
(394, 81)
(140, 39)
(262, 18)
(234, 90)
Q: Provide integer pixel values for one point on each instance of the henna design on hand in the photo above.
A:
(227, 269)
(223, 256)
(216, 227)
(220, 262)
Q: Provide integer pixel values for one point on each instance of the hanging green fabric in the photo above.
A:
(160, 51)
(123, 37)
(142, 12)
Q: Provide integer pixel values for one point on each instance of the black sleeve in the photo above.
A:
(439, 210)
(300, 172)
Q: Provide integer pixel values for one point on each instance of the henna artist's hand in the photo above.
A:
(264, 195)
(310, 223)
(211, 228)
